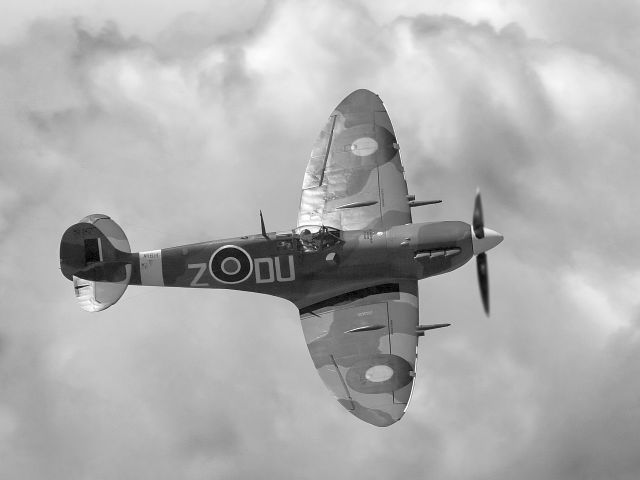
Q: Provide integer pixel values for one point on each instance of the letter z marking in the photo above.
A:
(196, 280)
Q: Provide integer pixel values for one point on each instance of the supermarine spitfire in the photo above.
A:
(351, 266)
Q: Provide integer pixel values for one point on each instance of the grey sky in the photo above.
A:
(181, 122)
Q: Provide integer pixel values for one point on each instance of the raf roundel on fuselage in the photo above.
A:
(230, 264)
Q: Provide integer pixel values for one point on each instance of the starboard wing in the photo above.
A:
(363, 344)
(355, 179)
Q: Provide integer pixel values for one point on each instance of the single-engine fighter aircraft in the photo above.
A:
(351, 266)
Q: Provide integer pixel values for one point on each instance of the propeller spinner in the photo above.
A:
(484, 239)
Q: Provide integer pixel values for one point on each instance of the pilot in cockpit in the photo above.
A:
(320, 239)
(307, 241)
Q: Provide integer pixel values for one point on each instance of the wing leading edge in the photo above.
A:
(355, 179)
(363, 344)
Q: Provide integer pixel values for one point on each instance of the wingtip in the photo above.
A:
(383, 416)
(377, 418)
(361, 100)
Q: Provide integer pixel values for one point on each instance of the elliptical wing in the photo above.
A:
(355, 179)
(363, 344)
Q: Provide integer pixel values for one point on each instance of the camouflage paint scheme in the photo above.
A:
(353, 275)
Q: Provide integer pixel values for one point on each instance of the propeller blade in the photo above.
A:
(483, 280)
(478, 218)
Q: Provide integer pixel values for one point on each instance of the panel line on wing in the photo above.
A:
(344, 385)
(381, 197)
(380, 190)
(389, 326)
(326, 154)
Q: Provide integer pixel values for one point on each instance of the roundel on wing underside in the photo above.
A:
(364, 144)
(382, 373)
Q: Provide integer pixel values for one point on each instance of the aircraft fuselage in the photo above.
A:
(283, 266)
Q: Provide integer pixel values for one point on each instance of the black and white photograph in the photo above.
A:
(320, 239)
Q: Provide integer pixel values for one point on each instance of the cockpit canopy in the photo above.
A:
(315, 238)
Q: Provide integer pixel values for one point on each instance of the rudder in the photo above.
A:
(95, 254)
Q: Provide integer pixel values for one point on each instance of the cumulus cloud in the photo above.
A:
(183, 134)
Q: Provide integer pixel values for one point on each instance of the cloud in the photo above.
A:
(183, 135)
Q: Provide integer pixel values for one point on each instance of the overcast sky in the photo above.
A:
(181, 120)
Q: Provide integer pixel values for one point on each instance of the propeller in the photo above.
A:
(483, 280)
(485, 239)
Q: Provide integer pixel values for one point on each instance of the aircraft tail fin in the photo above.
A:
(95, 254)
